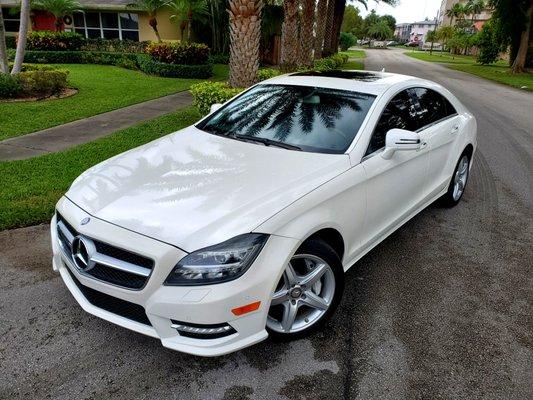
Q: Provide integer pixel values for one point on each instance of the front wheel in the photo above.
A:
(307, 293)
(458, 184)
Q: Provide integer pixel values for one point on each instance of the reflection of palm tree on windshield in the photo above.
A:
(279, 112)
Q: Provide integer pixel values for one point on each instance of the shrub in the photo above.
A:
(347, 40)
(115, 45)
(181, 53)
(335, 61)
(54, 41)
(11, 42)
(206, 94)
(9, 86)
(219, 58)
(153, 67)
(79, 57)
(489, 45)
(267, 73)
(43, 82)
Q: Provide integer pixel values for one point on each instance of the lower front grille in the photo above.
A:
(114, 305)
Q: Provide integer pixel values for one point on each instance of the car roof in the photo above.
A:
(371, 82)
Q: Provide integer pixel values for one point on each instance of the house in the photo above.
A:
(109, 19)
(414, 31)
(444, 20)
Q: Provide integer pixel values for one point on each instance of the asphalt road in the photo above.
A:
(441, 309)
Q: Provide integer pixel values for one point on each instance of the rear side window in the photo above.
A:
(401, 113)
(432, 106)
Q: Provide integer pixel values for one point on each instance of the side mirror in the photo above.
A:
(214, 107)
(399, 140)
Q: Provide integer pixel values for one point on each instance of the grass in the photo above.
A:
(101, 88)
(354, 53)
(498, 72)
(31, 188)
(353, 65)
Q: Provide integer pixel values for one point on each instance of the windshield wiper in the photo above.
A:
(265, 141)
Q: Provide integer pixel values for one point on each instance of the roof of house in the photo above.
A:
(87, 4)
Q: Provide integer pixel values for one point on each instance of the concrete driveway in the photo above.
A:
(441, 309)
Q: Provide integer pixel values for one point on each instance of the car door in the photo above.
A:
(395, 187)
(441, 127)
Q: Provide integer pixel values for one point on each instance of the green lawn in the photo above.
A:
(31, 188)
(498, 72)
(354, 53)
(353, 65)
(101, 88)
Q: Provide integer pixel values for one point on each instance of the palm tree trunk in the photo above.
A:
(519, 63)
(321, 13)
(152, 21)
(326, 49)
(306, 36)
(23, 34)
(4, 63)
(245, 35)
(338, 15)
(289, 36)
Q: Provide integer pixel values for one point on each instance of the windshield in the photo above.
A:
(308, 118)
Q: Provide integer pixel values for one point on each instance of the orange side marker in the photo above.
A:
(246, 309)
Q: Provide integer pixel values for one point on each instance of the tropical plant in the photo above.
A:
(58, 8)
(320, 17)
(431, 37)
(150, 7)
(513, 22)
(4, 66)
(444, 34)
(489, 47)
(306, 33)
(475, 7)
(23, 34)
(187, 11)
(456, 11)
(380, 30)
(245, 36)
(289, 36)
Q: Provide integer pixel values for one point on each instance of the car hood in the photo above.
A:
(193, 189)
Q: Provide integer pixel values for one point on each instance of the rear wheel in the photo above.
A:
(307, 293)
(458, 183)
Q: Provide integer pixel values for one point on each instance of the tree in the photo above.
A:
(306, 34)
(58, 8)
(289, 36)
(390, 20)
(4, 63)
(150, 7)
(185, 11)
(245, 36)
(489, 47)
(320, 17)
(432, 37)
(456, 11)
(347, 40)
(352, 22)
(475, 7)
(444, 34)
(23, 35)
(380, 30)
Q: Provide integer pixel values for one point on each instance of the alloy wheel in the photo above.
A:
(461, 175)
(303, 295)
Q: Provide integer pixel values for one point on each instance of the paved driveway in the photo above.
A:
(441, 309)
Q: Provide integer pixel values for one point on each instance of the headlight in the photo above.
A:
(220, 263)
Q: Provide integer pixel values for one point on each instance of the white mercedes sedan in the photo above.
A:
(242, 225)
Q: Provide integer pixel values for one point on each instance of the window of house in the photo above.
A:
(107, 25)
(11, 19)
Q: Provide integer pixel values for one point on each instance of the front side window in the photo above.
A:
(310, 118)
(401, 113)
(107, 25)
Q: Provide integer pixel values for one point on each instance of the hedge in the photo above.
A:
(207, 93)
(152, 67)
(54, 41)
(142, 62)
(33, 82)
(180, 53)
(9, 86)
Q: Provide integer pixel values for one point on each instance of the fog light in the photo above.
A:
(198, 331)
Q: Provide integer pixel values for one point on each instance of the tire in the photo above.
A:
(454, 194)
(299, 288)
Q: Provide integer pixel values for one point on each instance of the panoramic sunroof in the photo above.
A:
(364, 76)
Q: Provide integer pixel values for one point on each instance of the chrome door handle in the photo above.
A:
(455, 129)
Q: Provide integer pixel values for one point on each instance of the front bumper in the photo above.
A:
(204, 305)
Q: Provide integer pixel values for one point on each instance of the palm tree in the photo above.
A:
(380, 30)
(444, 34)
(475, 7)
(454, 12)
(23, 35)
(306, 34)
(185, 11)
(328, 35)
(4, 63)
(321, 12)
(245, 36)
(150, 7)
(58, 8)
(289, 36)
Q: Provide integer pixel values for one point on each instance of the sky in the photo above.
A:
(405, 11)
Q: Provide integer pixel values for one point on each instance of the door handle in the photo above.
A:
(455, 129)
